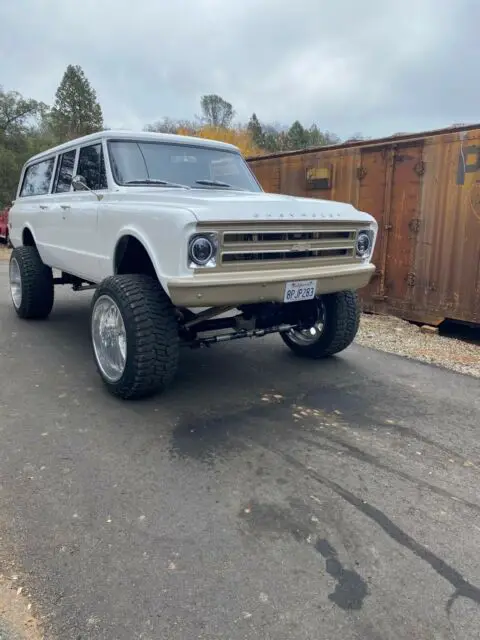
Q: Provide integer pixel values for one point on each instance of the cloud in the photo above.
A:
(372, 67)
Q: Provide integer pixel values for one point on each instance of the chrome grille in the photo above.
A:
(287, 245)
(285, 255)
(286, 236)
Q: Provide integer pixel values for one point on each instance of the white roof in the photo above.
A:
(146, 136)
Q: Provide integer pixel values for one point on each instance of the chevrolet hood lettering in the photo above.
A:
(239, 206)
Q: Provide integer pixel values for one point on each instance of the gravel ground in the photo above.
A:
(393, 335)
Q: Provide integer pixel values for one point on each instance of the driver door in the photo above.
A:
(79, 214)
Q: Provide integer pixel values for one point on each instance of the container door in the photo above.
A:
(371, 175)
(402, 222)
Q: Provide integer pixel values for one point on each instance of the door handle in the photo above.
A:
(43, 206)
(65, 206)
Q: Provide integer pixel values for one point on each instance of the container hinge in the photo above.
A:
(361, 173)
(414, 225)
(411, 279)
(419, 168)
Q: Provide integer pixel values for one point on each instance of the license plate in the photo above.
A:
(300, 290)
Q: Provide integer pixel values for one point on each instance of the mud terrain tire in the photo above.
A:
(341, 322)
(33, 283)
(151, 329)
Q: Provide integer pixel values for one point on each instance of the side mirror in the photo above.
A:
(79, 183)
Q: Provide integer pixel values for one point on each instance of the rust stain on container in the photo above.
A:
(424, 191)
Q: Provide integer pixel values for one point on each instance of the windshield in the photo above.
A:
(163, 164)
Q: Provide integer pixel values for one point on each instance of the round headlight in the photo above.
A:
(202, 250)
(364, 244)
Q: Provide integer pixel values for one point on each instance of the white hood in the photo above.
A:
(216, 205)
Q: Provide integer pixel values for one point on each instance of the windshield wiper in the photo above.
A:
(217, 183)
(160, 183)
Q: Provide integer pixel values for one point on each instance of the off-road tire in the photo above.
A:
(36, 284)
(151, 327)
(342, 319)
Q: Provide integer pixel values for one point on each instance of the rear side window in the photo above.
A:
(63, 179)
(36, 181)
(91, 166)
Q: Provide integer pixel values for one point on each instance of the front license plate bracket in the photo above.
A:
(298, 290)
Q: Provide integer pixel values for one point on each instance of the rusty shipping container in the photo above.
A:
(424, 191)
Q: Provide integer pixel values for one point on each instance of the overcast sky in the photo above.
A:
(370, 66)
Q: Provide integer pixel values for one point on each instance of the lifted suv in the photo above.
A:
(182, 247)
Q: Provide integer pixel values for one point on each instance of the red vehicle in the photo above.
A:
(4, 225)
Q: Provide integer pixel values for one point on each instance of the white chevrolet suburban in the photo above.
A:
(182, 247)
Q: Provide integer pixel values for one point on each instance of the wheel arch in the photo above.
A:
(28, 237)
(133, 254)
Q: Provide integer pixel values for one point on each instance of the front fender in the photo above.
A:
(17, 239)
(166, 249)
(142, 238)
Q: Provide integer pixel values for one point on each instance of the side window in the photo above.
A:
(91, 166)
(63, 179)
(36, 181)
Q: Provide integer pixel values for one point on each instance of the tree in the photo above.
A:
(76, 110)
(239, 137)
(255, 129)
(20, 138)
(356, 137)
(169, 125)
(297, 136)
(274, 138)
(331, 138)
(317, 138)
(277, 138)
(16, 112)
(216, 111)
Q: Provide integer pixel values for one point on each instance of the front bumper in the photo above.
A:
(248, 287)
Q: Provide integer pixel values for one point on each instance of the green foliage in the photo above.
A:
(28, 127)
(16, 112)
(256, 131)
(275, 138)
(76, 111)
(20, 120)
(297, 136)
(8, 175)
(319, 138)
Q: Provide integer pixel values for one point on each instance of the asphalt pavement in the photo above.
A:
(260, 497)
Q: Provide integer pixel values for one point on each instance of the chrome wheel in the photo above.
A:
(109, 338)
(310, 335)
(15, 283)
